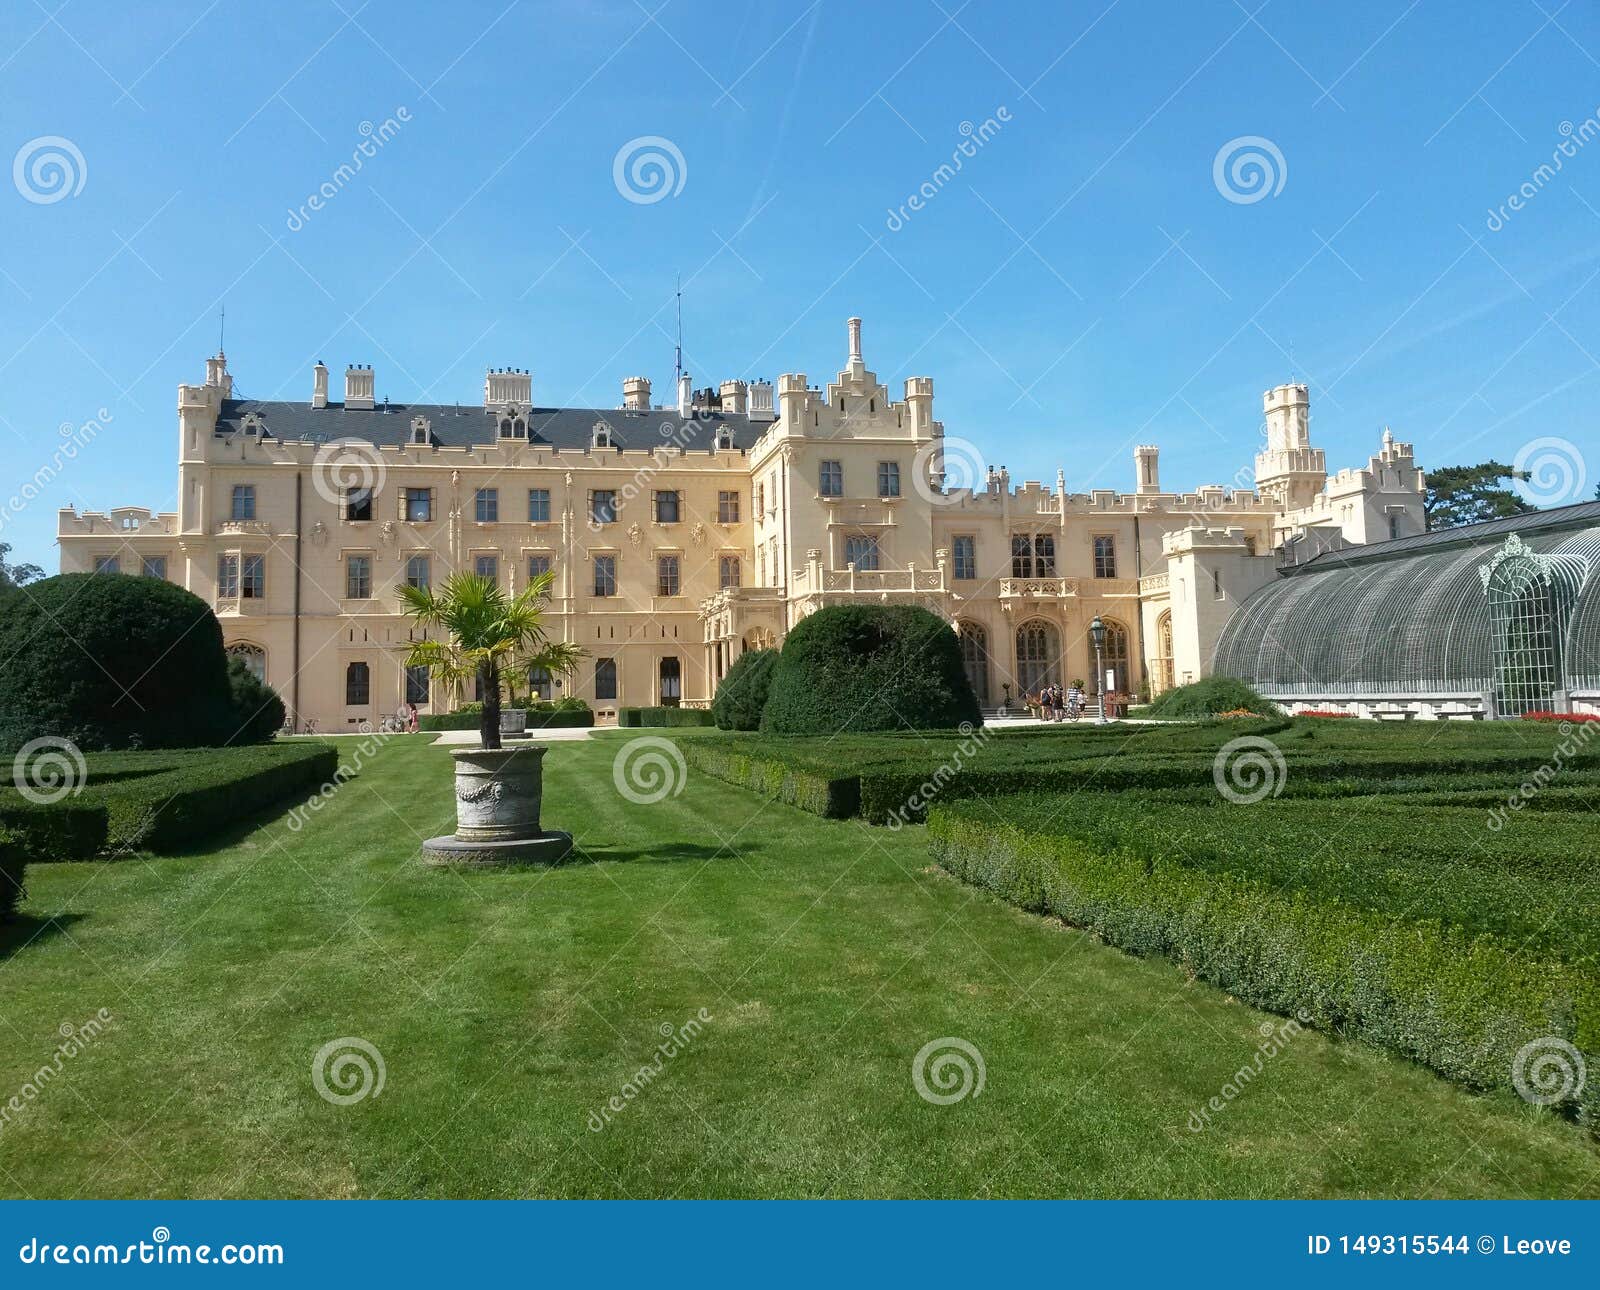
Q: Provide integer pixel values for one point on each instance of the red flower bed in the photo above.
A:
(1561, 716)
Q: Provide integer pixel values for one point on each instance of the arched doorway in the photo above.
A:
(1525, 620)
(1038, 656)
(1114, 655)
(253, 656)
(974, 641)
(671, 675)
(1163, 659)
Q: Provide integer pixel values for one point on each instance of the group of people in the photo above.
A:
(1055, 703)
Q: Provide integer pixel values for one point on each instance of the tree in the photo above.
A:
(487, 633)
(1460, 495)
(14, 575)
(742, 693)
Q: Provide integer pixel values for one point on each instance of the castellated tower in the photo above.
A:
(1289, 470)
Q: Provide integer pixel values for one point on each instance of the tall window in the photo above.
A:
(861, 550)
(671, 675)
(667, 575)
(227, 576)
(1525, 620)
(666, 506)
(419, 572)
(728, 571)
(1033, 555)
(540, 683)
(538, 566)
(417, 685)
(888, 479)
(538, 506)
(1164, 652)
(1114, 655)
(605, 575)
(1105, 556)
(1038, 649)
(419, 505)
(964, 553)
(109, 564)
(357, 685)
(727, 507)
(358, 578)
(253, 577)
(358, 504)
(761, 501)
(487, 566)
(603, 505)
(605, 678)
(244, 502)
(975, 658)
(830, 479)
(486, 506)
(154, 566)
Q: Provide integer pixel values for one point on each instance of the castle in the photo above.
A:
(682, 535)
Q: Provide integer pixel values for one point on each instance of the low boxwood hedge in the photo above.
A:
(810, 789)
(631, 717)
(13, 865)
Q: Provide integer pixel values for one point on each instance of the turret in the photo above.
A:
(792, 401)
(1146, 472)
(919, 399)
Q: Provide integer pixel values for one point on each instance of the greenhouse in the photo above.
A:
(1493, 619)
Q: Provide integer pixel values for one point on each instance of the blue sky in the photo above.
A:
(1083, 283)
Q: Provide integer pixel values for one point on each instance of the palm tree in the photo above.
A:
(485, 633)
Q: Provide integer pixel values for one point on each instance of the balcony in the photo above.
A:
(1012, 589)
(850, 581)
(235, 527)
(1153, 585)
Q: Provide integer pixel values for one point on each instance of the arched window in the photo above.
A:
(1525, 618)
(255, 658)
(540, 682)
(1038, 656)
(1114, 656)
(975, 658)
(357, 685)
(1164, 674)
(671, 682)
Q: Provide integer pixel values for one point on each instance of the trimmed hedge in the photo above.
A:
(631, 717)
(1207, 698)
(1256, 905)
(810, 789)
(743, 691)
(13, 866)
(869, 667)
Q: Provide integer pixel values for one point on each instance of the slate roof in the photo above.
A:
(465, 426)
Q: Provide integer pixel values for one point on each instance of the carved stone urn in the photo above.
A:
(498, 792)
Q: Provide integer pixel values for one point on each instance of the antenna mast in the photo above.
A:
(222, 327)
(677, 353)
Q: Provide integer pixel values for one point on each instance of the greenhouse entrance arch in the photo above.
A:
(1525, 627)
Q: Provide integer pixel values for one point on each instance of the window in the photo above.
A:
(830, 479)
(1038, 650)
(727, 508)
(1394, 528)
(486, 506)
(357, 685)
(416, 685)
(154, 566)
(538, 506)
(671, 674)
(419, 505)
(605, 678)
(667, 506)
(603, 506)
(253, 577)
(975, 658)
(487, 566)
(1033, 555)
(252, 656)
(965, 551)
(244, 502)
(358, 504)
(888, 479)
(538, 566)
(761, 501)
(1114, 655)
(227, 577)
(861, 550)
(540, 683)
(667, 575)
(761, 566)
(728, 571)
(605, 575)
(1105, 556)
(419, 572)
(107, 564)
(358, 578)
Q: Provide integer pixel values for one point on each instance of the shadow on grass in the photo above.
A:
(23, 930)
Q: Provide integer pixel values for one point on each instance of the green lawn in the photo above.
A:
(509, 1008)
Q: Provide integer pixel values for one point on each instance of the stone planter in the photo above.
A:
(498, 794)
(513, 721)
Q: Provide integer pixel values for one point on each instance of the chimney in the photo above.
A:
(358, 388)
(760, 406)
(685, 395)
(1146, 473)
(636, 393)
(319, 385)
(217, 374)
(733, 394)
(854, 324)
(506, 387)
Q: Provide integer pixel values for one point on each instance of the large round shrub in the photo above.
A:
(1208, 697)
(869, 667)
(111, 661)
(743, 692)
(258, 712)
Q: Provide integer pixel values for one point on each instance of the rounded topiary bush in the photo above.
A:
(258, 712)
(109, 660)
(743, 692)
(1209, 697)
(869, 667)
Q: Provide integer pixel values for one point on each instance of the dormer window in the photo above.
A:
(724, 438)
(251, 425)
(421, 432)
(602, 436)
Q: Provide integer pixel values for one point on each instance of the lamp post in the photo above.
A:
(1097, 634)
